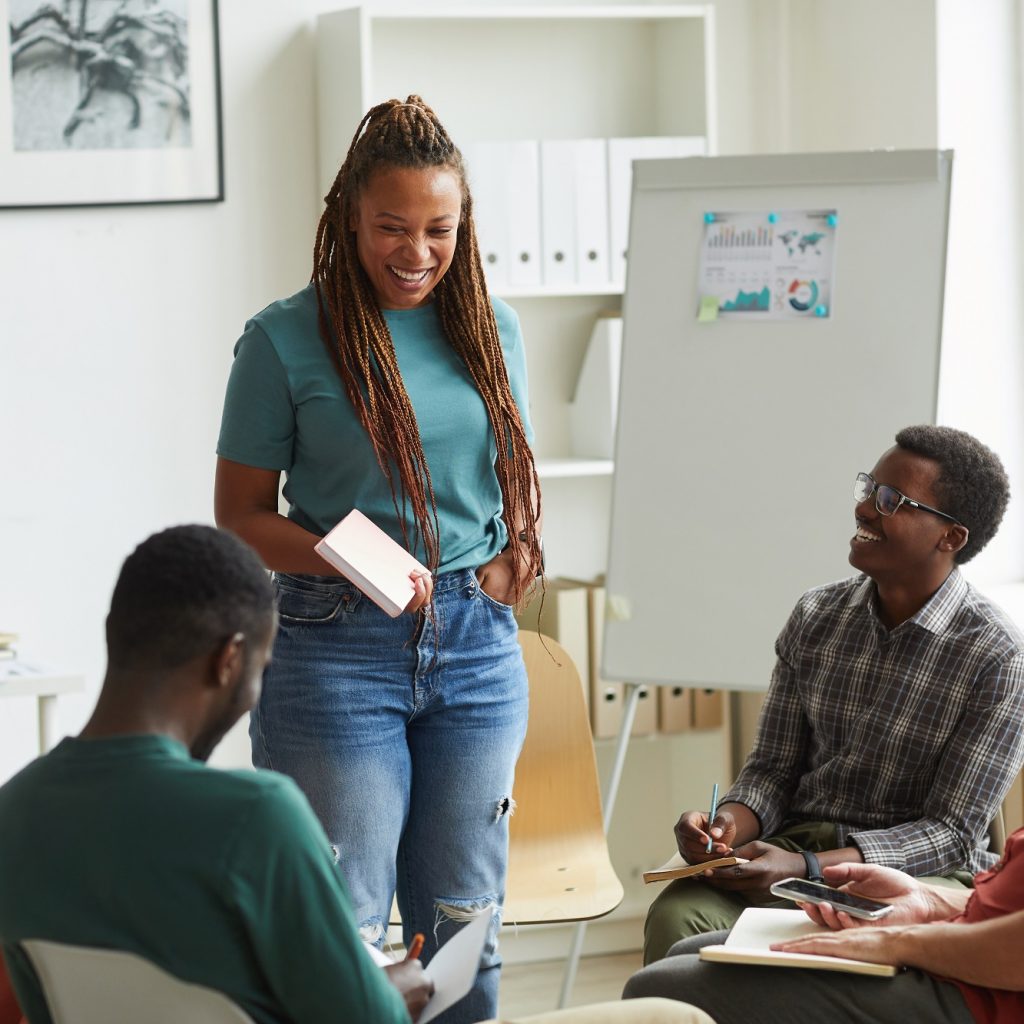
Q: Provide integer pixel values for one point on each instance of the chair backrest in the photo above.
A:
(559, 868)
(104, 986)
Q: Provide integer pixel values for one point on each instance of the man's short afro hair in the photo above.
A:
(972, 484)
(183, 593)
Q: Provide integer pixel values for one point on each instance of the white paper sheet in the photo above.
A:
(453, 969)
(759, 927)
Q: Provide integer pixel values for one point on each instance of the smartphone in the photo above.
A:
(802, 891)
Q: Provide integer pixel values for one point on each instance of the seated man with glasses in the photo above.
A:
(892, 727)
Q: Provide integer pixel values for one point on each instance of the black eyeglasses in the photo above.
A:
(888, 500)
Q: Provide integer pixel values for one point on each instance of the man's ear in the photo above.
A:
(954, 539)
(228, 660)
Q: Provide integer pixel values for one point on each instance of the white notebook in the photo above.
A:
(367, 556)
(758, 927)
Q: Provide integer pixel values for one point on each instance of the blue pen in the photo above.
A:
(711, 816)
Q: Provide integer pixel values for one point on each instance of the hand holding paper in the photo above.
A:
(447, 978)
(454, 966)
(411, 980)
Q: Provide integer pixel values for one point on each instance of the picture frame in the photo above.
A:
(109, 102)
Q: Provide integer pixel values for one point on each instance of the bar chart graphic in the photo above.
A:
(728, 236)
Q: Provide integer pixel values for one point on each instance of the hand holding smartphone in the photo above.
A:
(803, 891)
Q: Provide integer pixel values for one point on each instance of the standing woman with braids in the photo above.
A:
(394, 384)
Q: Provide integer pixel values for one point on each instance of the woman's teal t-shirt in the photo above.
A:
(286, 410)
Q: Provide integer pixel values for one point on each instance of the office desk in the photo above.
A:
(18, 679)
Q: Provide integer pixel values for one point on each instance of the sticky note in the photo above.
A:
(708, 309)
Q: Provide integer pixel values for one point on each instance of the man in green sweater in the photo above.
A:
(123, 838)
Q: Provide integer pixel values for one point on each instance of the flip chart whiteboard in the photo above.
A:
(738, 441)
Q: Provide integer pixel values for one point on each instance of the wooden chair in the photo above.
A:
(105, 986)
(559, 868)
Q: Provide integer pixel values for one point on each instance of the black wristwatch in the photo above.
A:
(813, 867)
(523, 539)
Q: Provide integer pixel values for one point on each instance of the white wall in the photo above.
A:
(116, 337)
(861, 75)
(982, 381)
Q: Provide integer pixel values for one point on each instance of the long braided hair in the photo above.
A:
(409, 135)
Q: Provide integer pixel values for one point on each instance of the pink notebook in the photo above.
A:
(368, 557)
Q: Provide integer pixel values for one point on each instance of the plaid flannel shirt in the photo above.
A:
(906, 739)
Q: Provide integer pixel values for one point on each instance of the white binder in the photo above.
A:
(485, 168)
(592, 239)
(522, 213)
(621, 154)
(504, 179)
(558, 211)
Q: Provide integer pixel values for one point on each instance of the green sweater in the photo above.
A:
(222, 878)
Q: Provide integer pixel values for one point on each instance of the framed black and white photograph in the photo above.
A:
(109, 101)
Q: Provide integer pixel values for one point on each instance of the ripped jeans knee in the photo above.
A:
(452, 910)
(373, 930)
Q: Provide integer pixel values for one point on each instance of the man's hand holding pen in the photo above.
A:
(693, 831)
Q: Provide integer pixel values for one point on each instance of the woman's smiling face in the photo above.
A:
(406, 223)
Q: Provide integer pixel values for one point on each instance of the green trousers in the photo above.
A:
(689, 906)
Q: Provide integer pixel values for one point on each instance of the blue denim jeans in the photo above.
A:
(404, 734)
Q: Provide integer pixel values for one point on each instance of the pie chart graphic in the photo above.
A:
(803, 295)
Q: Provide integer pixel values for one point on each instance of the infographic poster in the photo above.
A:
(770, 265)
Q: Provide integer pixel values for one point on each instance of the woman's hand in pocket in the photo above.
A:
(497, 578)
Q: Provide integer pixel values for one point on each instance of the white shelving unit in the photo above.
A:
(510, 292)
(553, 469)
(503, 73)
